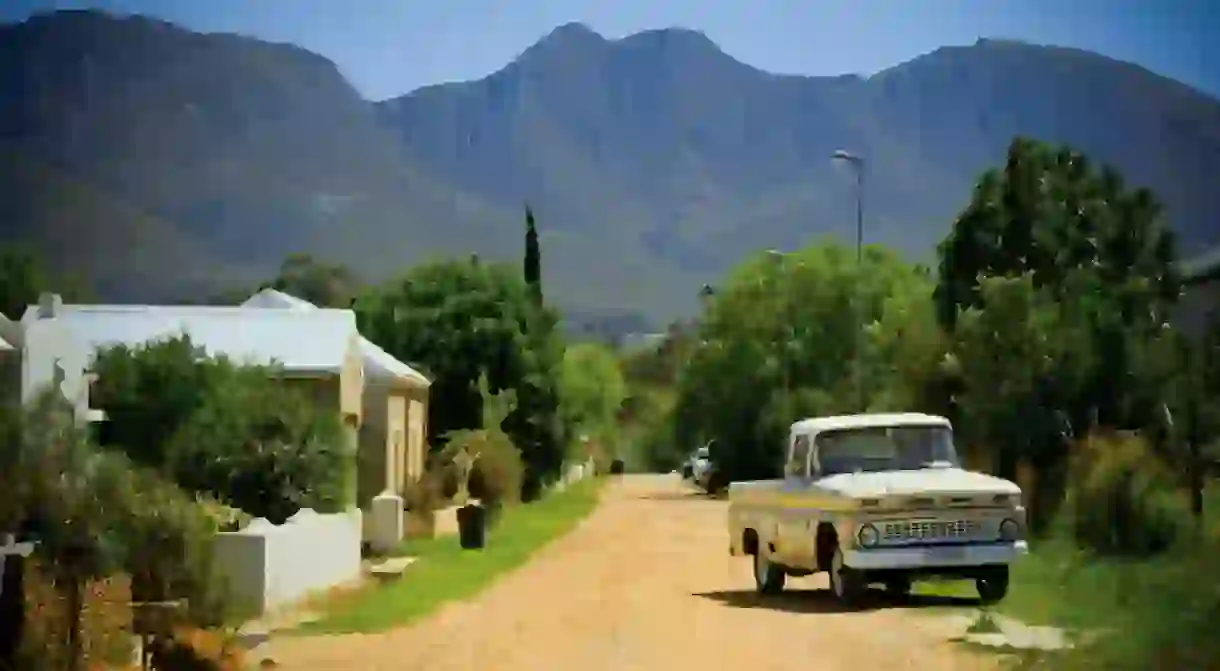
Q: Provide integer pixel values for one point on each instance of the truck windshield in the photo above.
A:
(896, 448)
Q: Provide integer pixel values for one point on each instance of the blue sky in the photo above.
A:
(389, 47)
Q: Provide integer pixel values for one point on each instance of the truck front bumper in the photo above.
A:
(935, 556)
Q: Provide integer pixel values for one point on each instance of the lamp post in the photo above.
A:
(857, 164)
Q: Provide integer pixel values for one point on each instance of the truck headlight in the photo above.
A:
(1010, 530)
(867, 536)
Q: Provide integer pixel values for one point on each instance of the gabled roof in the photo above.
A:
(304, 342)
(377, 362)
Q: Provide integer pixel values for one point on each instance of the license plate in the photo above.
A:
(944, 553)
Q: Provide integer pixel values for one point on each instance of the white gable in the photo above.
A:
(377, 362)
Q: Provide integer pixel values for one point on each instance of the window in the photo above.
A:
(798, 457)
(885, 449)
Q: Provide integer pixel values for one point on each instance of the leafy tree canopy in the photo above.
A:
(459, 319)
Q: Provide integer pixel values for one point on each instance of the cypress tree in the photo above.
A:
(533, 257)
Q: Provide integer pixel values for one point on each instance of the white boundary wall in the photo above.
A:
(269, 566)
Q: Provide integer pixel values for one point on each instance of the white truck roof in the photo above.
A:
(866, 420)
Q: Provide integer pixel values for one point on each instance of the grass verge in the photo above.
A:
(1056, 586)
(444, 572)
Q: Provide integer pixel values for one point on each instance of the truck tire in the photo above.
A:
(846, 584)
(768, 576)
(993, 586)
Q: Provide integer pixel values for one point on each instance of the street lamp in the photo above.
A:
(857, 164)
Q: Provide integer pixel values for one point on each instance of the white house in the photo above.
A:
(393, 433)
(317, 351)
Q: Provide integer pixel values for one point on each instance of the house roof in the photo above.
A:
(377, 361)
(309, 342)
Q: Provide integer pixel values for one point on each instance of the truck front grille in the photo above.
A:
(928, 531)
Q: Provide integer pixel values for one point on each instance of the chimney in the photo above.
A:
(49, 305)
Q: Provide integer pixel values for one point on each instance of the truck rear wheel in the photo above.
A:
(768, 577)
(846, 584)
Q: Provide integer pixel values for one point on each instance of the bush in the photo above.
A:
(497, 472)
(262, 447)
(426, 494)
(170, 540)
(216, 427)
(119, 532)
(105, 631)
(190, 649)
(422, 498)
(1122, 498)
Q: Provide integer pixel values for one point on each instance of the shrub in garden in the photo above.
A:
(1122, 498)
(108, 533)
(212, 426)
(497, 472)
(105, 622)
(422, 498)
(170, 539)
(498, 469)
(262, 447)
(149, 391)
(191, 649)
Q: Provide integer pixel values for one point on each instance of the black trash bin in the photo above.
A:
(617, 467)
(472, 526)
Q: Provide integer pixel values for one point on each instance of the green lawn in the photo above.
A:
(444, 572)
(1052, 587)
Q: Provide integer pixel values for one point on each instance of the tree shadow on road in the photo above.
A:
(823, 601)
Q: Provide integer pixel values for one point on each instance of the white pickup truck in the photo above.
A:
(877, 498)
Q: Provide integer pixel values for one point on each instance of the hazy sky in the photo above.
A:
(389, 47)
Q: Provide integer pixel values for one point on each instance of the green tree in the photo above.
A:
(592, 391)
(777, 343)
(1011, 355)
(1051, 214)
(459, 319)
(325, 285)
(533, 257)
(1095, 282)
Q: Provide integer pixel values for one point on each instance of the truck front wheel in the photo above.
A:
(768, 577)
(846, 584)
(993, 585)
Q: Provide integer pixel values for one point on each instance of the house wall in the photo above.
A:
(372, 456)
(51, 353)
(351, 388)
(392, 449)
(396, 437)
(417, 432)
(268, 566)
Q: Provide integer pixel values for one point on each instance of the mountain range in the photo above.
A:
(160, 162)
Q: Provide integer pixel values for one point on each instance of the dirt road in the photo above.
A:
(645, 583)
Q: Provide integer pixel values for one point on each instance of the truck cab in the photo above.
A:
(877, 498)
